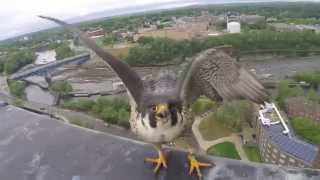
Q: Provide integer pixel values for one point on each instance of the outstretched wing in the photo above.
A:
(216, 75)
(128, 76)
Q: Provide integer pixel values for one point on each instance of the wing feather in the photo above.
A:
(128, 76)
(220, 77)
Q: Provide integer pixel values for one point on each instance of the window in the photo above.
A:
(275, 150)
(292, 160)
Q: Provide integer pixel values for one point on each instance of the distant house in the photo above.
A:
(271, 20)
(96, 33)
(25, 38)
(283, 27)
(195, 26)
(3, 53)
(147, 29)
(314, 28)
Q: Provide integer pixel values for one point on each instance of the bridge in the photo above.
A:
(46, 70)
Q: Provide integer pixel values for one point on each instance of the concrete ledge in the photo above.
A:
(34, 146)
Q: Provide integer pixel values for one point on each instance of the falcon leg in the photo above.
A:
(159, 162)
(195, 165)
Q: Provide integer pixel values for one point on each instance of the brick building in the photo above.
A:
(96, 33)
(197, 26)
(278, 144)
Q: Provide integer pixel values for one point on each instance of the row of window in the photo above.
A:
(273, 155)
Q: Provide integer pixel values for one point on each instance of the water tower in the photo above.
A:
(234, 27)
(233, 23)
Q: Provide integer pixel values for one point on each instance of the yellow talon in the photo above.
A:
(160, 162)
(196, 165)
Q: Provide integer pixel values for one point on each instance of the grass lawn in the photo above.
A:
(253, 153)
(202, 105)
(211, 129)
(228, 118)
(225, 149)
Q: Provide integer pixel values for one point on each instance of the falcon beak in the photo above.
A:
(162, 110)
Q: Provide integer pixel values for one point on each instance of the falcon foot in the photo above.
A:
(195, 165)
(159, 162)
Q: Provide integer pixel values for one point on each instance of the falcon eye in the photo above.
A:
(154, 108)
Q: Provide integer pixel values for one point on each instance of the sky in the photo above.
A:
(20, 16)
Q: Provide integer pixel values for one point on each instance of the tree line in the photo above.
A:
(158, 50)
(15, 60)
(113, 111)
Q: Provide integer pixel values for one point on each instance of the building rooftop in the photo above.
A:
(296, 147)
(283, 137)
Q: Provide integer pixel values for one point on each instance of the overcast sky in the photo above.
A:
(19, 16)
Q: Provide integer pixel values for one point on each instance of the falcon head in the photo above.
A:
(159, 120)
(164, 114)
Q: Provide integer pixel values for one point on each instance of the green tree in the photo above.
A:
(60, 88)
(203, 105)
(64, 51)
(284, 91)
(110, 40)
(123, 118)
(310, 77)
(313, 96)
(306, 128)
(85, 104)
(16, 60)
(234, 113)
(1, 66)
(109, 115)
(145, 40)
(17, 88)
(100, 104)
(119, 103)
(158, 50)
(111, 110)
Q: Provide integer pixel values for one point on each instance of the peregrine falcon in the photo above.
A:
(158, 103)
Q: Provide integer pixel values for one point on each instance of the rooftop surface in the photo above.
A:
(287, 142)
(35, 147)
(296, 147)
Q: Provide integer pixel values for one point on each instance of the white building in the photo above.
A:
(45, 57)
(234, 27)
